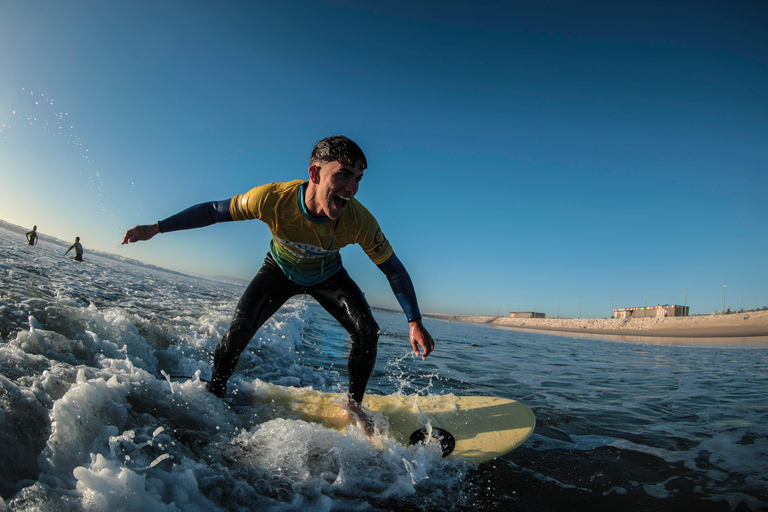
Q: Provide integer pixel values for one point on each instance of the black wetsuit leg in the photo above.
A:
(268, 291)
(343, 299)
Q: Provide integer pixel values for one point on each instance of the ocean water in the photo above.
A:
(91, 419)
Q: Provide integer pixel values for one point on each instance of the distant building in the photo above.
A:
(653, 311)
(526, 314)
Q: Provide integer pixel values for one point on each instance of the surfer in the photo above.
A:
(310, 220)
(78, 247)
(32, 236)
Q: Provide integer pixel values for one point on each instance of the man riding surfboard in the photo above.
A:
(310, 220)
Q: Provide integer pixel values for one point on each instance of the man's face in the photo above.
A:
(337, 183)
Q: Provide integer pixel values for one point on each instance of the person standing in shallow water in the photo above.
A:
(77, 246)
(310, 221)
(32, 236)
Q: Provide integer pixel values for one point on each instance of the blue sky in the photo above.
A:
(559, 156)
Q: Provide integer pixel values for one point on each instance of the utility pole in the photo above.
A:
(723, 298)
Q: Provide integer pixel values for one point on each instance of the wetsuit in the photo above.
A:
(32, 237)
(77, 246)
(303, 259)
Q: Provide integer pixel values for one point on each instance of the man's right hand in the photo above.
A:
(139, 233)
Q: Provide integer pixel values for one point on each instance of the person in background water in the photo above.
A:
(310, 220)
(32, 236)
(78, 247)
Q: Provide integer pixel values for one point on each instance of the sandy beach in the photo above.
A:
(746, 328)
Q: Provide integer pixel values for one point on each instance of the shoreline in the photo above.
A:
(746, 328)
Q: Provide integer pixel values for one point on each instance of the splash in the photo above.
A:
(37, 111)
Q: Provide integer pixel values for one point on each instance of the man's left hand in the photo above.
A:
(421, 340)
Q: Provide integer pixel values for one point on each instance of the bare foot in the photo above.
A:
(360, 415)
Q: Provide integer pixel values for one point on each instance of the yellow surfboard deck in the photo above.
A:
(484, 427)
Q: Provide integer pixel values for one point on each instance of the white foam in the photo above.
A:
(106, 485)
(82, 421)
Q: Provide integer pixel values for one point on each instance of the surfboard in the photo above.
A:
(482, 427)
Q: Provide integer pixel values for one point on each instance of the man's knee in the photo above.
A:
(237, 337)
(367, 331)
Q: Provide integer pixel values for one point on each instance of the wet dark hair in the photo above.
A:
(339, 149)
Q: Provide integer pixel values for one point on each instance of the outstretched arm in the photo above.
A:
(402, 286)
(198, 216)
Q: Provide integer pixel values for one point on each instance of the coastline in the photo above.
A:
(746, 328)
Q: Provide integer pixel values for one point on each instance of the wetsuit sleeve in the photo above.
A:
(402, 286)
(198, 216)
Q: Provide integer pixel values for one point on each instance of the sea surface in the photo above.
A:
(94, 415)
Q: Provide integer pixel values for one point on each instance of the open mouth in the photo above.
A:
(340, 202)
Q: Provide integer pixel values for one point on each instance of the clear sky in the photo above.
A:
(566, 157)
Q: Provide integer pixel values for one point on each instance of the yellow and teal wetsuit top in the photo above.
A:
(305, 247)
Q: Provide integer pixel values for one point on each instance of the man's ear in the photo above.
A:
(314, 174)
